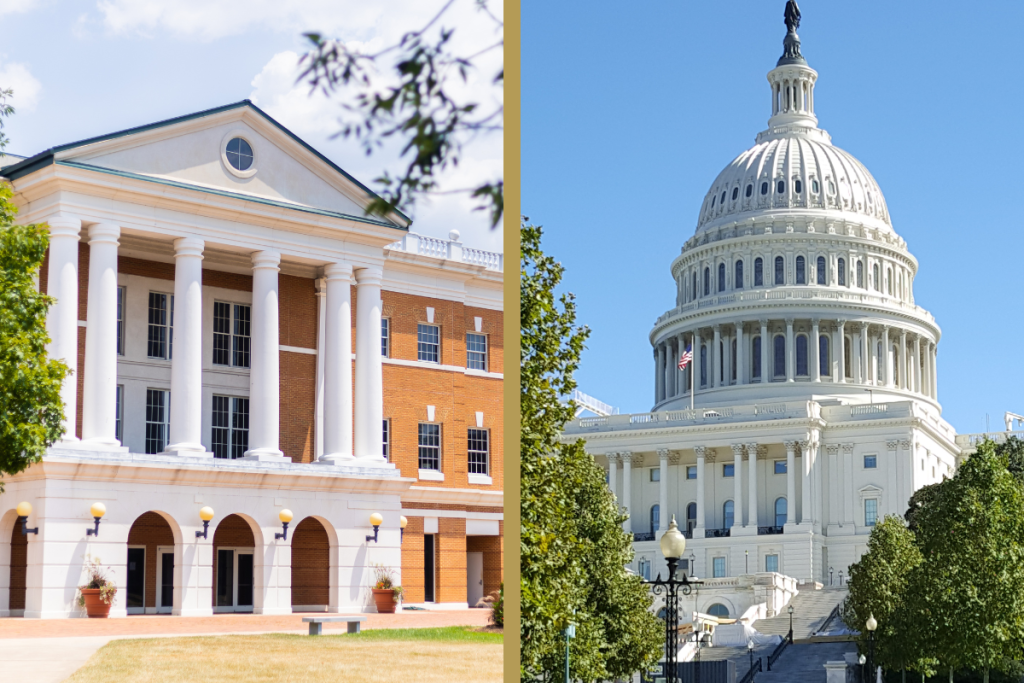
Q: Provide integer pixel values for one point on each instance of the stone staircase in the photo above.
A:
(810, 610)
(805, 662)
(738, 655)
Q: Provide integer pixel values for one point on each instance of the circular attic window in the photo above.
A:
(239, 154)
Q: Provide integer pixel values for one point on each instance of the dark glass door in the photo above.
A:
(244, 580)
(225, 578)
(136, 578)
(428, 567)
(167, 580)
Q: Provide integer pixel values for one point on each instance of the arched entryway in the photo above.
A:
(17, 552)
(150, 581)
(233, 565)
(311, 567)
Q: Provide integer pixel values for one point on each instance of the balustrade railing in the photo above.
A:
(768, 530)
(450, 249)
(643, 536)
(717, 533)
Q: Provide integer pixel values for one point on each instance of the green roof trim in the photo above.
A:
(229, 194)
(46, 157)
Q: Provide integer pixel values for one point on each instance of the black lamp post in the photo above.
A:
(871, 625)
(750, 651)
(790, 610)
(673, 544)
(861, 660)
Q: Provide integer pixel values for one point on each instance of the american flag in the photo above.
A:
(687, 356)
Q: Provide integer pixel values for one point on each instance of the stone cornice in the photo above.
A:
(431, 494)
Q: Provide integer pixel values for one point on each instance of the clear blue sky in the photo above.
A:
(630, 112)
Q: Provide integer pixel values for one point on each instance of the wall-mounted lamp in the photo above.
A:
(376, 520)
(402, 521)
(97, 510)
(24, 510)
(206, 514)
(285, 516)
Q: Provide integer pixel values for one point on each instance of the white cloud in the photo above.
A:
(25, 86)
(15, 6)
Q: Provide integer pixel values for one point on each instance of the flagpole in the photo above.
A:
(693, 364)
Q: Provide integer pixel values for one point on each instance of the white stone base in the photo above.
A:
(439, 606)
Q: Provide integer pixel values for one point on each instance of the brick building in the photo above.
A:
(244, 338)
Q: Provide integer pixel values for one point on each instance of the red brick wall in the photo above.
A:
(19, 565)
(150, 530)
(412, 561)
(451, 560)
(491, 547)
(232, 532)
(311, 564)
(298, 320)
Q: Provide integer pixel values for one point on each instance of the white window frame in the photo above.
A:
(233, 339)
(235, 607)
(777, 562)
(385, 337)
(724, 466)
(420, 344)
(692, 468)
(655, 474)
(714, 567)
(487, 453)
(430, 473)
(483, 353)
(121, 303)
(775, 466)
(168, 326)
(162, 550)
(166, 423)
(230, 428)
(864, 461)
(877, 507)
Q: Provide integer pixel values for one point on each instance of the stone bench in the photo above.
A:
(316, 624)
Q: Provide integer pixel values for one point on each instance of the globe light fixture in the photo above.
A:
(673, 543)
(285, 516)
(205, 514)
(24, 509)
(871, 625)
(402, 522)
(376, 520)
(98, 510)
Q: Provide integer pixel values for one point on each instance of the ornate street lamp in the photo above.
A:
(871, 625)
(750, 651)
(861, 660)
(790, 610)
(673, 545)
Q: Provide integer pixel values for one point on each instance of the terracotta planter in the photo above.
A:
(385, 599)
(94, 605)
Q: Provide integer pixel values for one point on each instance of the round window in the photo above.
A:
(239, 154)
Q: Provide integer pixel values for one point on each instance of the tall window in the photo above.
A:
(644, 568)
(655, 474)
(707, 281)
(842, 272)
(824, 362)
(727, 515)
(387, 439)
(860, 273)
(771, 563)
(801, 356)
(161, 325)
(158, 413)
(477, 441)
(847, 358)
(231, 329)
(780, 270)
(755, 361)
(476, 351)
(430, 447)
(693, 289)
(428, 343)
(120, 321)
(230, 427)
(758, 272)
(780, 356)
(733, 365)
(781, 509)
(718, 572)
(801, 271)
(875, 284)
(888, 280)
(385, 337)
(870, 512)
(738, 275)
(655, 518)
(703, 365)
(119, 413)
(721, 277)
(721, 362)
(821, 270)
(691, 517)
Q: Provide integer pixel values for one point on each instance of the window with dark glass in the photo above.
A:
(713, 200)
(842, 272)
(721, 362)
(476, 351)
(161, 325)
(735, 193)
(728, 470)
(430, 447)
(387, 439)
(780, 356)
(727, 514)
(758, 272)
(428, 343)
(870, 462)
(755, 361)
(798, 186)
(158, 412)
(780, 511)
(814, 186)
(693, 289)
(738, 275)
(821, 270)
(801, 356)
(703, 365)
(691, 517)
(847, 362)
(780, 467)
(707, 281)
(764, 188)
(733, 364)
(721, 277)
(722, 200)
(385, 337)
(230, 427)
(780, 271)
(801, 271)
(239, 153)
(824, 362)
(860, 273)
(655, 517)
(875, 284)
(750, 190)
(231, 328)
(477, 440)
(780, 188)
(120, 321)
(119, 413)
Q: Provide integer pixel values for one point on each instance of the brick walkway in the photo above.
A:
(142, 625)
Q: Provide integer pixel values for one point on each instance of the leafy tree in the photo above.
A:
(421, 109)
(31, 410)
(919, 502)
(573, 548)
(1013, 450)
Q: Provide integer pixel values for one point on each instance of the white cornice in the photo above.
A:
(446, 496)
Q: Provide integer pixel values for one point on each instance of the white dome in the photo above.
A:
(811, 173)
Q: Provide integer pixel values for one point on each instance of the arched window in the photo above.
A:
(691, 517)
(764, 188)
(707, 281)
(798, 186)
(842, 272)
(888, 277)
(703, 365)
(814, 187)
(875, 284)
(847, 358)
(722, 200)
(721, 277)
(718, 610)
(821, 270)
(738, 275)
(781, 187)
(896, 366)
(655, 517)
(750, 190)
(780, 356)
(801, 355)
(727, 515)
(780, 511)
(721, 362)
(824, 362)
(755, 361)
(801, 272)
(735, 193)
(693, 290)
(860, 273)
(780, 271)
(880, 361)
(734, 359)
(758, 272)
(713, 201)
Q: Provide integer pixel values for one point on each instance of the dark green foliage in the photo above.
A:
(921, 499)
(498, 608)
(573, 549)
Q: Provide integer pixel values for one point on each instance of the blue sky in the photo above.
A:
(81, 69)
(630, 113)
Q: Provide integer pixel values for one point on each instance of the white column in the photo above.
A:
(865, 361)
(62, 318)
(699, 529)
(926, 375)
(841, 350)
(369, 405)
(916, 377)
(680, 375)
(265, 373)
(613, 462)
(805, 498)
(713, 357)
(663, 505)
(834, 488)
(321, 344)
(790, 351)
(935, 371)
(741, 354)
(903, 359)
(338, 365)
(670, 389)
(186, 432)
(99, 405)
(659, 377)
(752, 486)
(696, 364)
(737, 473)
(765, 343)
(790, 483)
(815, 349)
(627, 489)
(887, 355)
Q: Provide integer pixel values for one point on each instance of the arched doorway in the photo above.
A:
(150, 586)
(311, 567)
(18, 549)
(233, 565)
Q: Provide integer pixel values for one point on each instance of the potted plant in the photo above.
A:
(385, 592)
(97, 595)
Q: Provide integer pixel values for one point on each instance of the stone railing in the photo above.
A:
(972, 440)
(768, 530)
(717, 533)
(643, 536)
(451, 250)
(699, 416)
